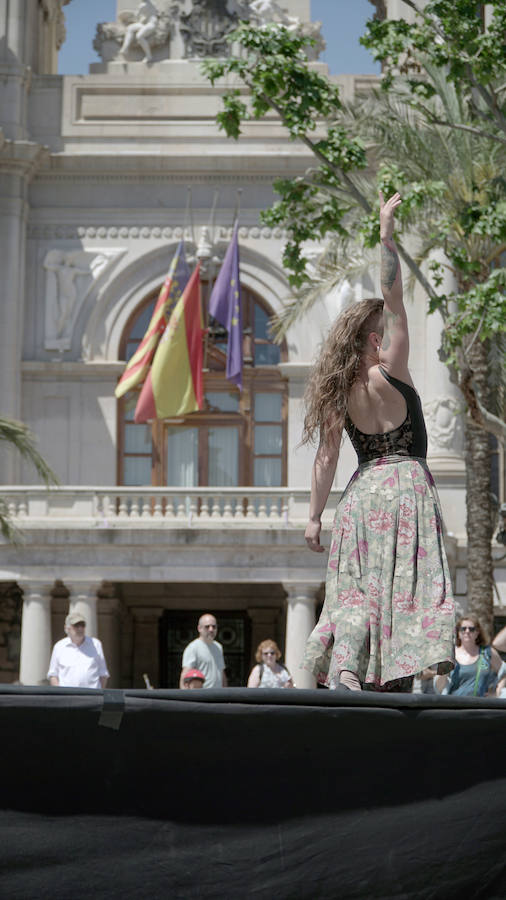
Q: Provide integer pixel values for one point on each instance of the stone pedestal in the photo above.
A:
(35, 633)
(83, 599)
(300, 621)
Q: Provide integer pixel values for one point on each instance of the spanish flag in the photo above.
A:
(172, 288)
(174, 383)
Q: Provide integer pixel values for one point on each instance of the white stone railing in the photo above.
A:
(119, 507)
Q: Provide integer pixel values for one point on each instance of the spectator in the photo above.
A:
(77, 660)
(477, 662)
(499, 641)
(269, 672)
(501, 682)
(205, 654)
(193, 680)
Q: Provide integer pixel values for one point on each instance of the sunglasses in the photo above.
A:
(467, 628)
(268, 653)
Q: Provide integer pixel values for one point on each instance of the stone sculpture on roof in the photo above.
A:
(142, 29)
(173, 30)
(267, 12)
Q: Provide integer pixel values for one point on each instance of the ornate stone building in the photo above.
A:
(152, 525)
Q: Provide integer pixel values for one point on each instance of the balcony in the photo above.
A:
(161, 508)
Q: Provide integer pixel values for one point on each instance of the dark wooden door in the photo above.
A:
(179, 627)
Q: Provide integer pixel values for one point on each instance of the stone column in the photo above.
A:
(109, 618)
(35, 632)
(443, 406)
(300, 621)
(83, 599)
(443, 402)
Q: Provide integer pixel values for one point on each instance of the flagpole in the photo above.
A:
(205, 256)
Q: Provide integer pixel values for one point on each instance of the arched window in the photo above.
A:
(237, 439)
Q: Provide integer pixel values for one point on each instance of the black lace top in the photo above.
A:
(409, 439)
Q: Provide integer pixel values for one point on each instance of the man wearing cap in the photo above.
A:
(193, 680)
(77, 660)
(205, 654)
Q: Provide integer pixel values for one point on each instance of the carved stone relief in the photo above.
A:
(205, 28)
(52, 14)
(444, 424)
(186, 29)
(70, 278)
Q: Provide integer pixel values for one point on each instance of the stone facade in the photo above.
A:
(94, 178)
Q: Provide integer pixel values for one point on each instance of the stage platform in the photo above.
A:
(273, 795)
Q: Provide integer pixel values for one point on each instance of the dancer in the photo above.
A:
(388, 610)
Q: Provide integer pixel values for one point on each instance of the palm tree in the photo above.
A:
(21, 439)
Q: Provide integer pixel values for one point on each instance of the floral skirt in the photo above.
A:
(388, 610)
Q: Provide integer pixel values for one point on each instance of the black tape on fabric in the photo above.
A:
(112, 709)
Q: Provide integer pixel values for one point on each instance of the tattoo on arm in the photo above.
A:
(389, 319)
(389, 265)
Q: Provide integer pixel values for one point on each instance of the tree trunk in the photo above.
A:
(479, 523)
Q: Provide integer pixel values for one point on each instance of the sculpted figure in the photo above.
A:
(142, 29)
(268, 11)
(66, 270)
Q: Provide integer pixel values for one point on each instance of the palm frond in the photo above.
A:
(21, 438)
(497, 375)
(341, 260)
(8, 530)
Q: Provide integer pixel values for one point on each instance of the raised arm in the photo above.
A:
(322, 476)
(394, 350)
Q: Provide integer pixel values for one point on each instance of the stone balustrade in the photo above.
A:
(164, 507)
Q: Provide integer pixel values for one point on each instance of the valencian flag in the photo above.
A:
(172, 288)
(226, 307)
(174, 383)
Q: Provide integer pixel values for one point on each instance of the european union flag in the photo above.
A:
(226, 307)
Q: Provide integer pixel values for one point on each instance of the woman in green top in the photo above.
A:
(476, 662)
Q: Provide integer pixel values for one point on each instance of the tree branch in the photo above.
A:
(487, 98)
(478, 131)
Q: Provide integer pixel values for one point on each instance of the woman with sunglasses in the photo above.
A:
(477, 662)
(269, 672)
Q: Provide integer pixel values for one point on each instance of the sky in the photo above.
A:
(343, 21)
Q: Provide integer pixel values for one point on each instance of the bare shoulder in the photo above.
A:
(395, 369)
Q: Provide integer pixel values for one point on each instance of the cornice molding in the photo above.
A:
(21, 158)
(74, 176)
(52, 231)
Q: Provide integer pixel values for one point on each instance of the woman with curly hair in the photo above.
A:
(269, 672)
(388, 610)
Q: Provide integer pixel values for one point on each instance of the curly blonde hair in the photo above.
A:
(267, 645)
(337, 368)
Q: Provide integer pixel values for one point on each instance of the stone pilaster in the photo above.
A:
(18, 162)
(35, 632)
(83, 599)
(300, 621)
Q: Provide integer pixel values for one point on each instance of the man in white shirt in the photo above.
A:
(77, 660)
(206, 655)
